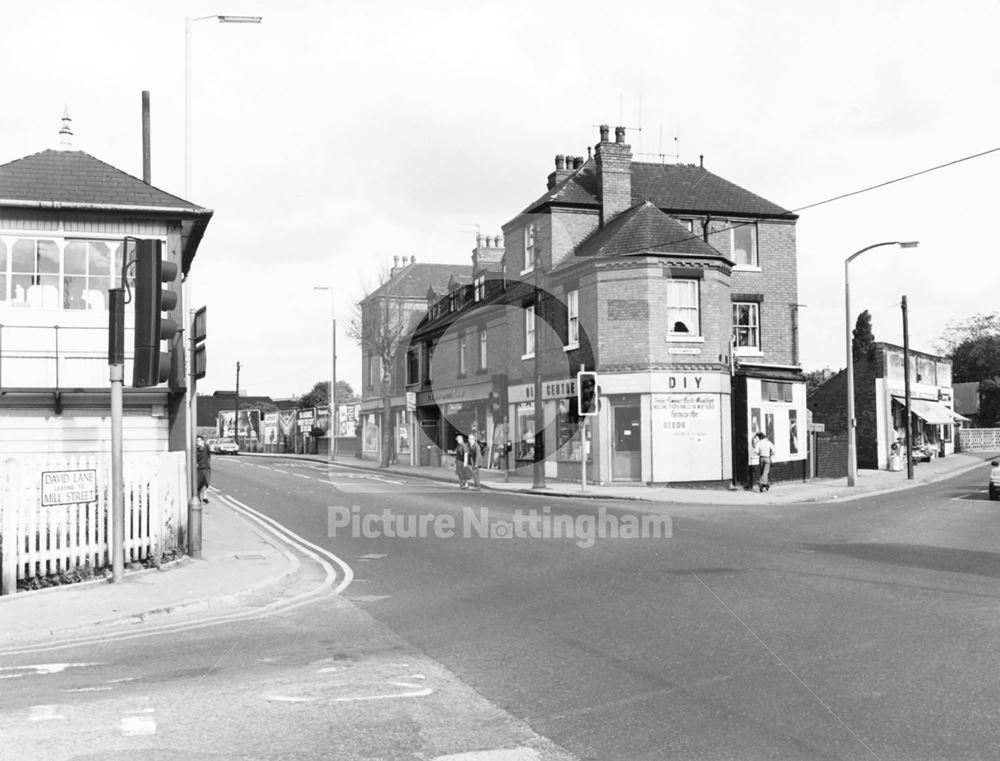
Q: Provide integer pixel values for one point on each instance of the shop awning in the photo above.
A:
(931, 412)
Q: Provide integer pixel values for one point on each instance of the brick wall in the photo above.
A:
(829, 455)
(569, 228)
(776, 282)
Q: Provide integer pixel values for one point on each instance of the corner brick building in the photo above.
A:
(675, 285)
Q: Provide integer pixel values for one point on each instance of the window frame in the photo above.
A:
(737, 225)
(483, 345)
(672, 310)
(754, 328)
(529, 249)
(529, 332)
(573, 319)
(463, 365)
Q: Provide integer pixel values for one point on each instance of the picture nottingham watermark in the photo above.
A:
(475, 523)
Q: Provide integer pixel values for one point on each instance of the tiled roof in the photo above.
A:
(644, 229)
(686, 187)
(672, 187)
(75, 177)
(414, 280)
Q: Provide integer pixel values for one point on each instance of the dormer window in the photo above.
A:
(480, 288)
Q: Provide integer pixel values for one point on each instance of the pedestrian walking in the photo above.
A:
(462, 461)
(203, 459)
(765, 451)
(475, 460)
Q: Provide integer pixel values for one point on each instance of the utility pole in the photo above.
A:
(906, 388)
(538, 466)
(236, 408)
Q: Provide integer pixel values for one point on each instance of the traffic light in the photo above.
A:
(586, 392)
(150, 365)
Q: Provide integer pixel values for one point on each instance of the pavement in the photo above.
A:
(868, 482)
(238, 562)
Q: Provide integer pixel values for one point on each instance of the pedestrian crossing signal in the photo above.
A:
(586, 393)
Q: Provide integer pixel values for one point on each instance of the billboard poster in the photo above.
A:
(249, 427)
(769, 426)
(793, 431)
(287, 423)
(323, 418)
(306, 419)
(271, 428)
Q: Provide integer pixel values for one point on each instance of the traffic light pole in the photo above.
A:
(583, 445)
(116, 362)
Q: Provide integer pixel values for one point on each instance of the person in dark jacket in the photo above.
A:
(475, 460)
(204, 462)
(462, 461)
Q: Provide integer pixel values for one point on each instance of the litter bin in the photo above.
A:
(895, 462)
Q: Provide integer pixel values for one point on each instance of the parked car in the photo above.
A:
(995, 480)
(226, 446)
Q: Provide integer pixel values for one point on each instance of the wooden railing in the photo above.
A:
(39, 539)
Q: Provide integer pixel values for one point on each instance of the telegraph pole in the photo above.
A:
(906, 388)
(236, 409)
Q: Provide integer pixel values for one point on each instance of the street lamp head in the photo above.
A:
(239, 19)
(909, 244)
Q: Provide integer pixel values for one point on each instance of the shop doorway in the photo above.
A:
(626, 452)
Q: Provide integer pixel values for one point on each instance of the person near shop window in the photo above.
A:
(765, 451)
(475, 460)
(462, 462)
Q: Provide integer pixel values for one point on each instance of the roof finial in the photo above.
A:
(66, 133)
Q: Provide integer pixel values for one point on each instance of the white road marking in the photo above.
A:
(287, 699)
(372, 556)
(410, 692)
(88, 689)
(369, 598)
(323, 480)
(299, 475)
(43, 668)
(44, 713)
(283, 472)
(133, 726)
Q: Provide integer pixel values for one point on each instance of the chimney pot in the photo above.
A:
(479, 240)
(395, 262)
(560, 162)
(604, 132)
(619, 134)
(701, 160)
(413, 260)
(588, 153)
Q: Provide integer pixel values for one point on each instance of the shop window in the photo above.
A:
(743, 237)
(682, 307)
(746, 325)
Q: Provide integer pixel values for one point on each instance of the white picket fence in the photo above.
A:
(978, 439)
(40, 540)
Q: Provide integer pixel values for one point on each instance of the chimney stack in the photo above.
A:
(614, 174)
(564, 168)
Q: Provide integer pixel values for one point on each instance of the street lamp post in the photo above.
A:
(852, 454)
(190, 392)
(334, 422)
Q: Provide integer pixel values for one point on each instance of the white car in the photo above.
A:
(995, 480)
(226, 446)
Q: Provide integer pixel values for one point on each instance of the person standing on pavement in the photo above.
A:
(204, 462)
(475, 460)
(765, 451)
(462, 461)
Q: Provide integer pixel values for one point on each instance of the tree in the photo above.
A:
(319, 395)
(976, 359)
(816, 378)
(972, 328)
(381, 321)
(863, 341)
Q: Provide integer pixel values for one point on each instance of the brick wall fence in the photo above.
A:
(829, 453)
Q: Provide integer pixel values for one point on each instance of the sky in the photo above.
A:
(333, 136)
